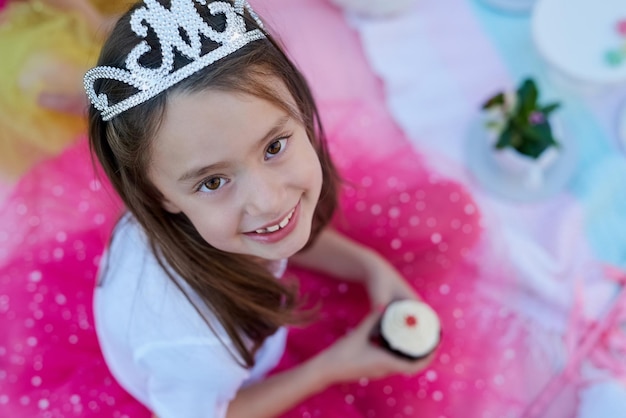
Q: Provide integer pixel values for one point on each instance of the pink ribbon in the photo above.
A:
(601, 341)
(610, 349)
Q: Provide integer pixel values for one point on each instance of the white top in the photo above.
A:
(155, 343)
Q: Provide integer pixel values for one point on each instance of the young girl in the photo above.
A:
(211, 137)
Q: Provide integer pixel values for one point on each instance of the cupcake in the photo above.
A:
(409, 329)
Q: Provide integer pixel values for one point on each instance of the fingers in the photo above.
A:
(368, 325)
(387, 364)
(411, 367)
(371, 319)
(380, 299)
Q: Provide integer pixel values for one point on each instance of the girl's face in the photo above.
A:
(240, 168)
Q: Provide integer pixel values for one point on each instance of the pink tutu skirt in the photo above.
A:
(53, 229)
(55, 225)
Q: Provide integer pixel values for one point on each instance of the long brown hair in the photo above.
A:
(246, 298)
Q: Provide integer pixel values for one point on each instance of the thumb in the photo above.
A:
(368, 323)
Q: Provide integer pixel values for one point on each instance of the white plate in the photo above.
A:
(574, 36)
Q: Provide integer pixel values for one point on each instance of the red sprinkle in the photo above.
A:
(410, 321)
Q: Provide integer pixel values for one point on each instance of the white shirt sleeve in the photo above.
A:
(191, 379)
(157, 345)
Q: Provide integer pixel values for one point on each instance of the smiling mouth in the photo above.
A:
(278, 226)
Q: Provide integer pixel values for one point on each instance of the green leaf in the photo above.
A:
(506, 138)
(516, 139)
(540, 133)
(532, 149)
(547, 109)
(493, 125)
(545, 130)
(497, 100)
(518, 121)
(527, 94)
(536, 139)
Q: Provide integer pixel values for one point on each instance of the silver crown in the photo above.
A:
(167, 23)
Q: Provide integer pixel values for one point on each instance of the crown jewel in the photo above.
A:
(167, 24)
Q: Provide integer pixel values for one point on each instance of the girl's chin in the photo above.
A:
(285, 248)
(282, 254)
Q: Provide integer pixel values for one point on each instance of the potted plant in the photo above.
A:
(522, 131)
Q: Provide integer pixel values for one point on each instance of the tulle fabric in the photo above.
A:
(53, 229)
(55, 226)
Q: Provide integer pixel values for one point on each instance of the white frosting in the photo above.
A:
(411, 327)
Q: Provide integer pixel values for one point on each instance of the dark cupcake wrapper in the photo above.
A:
(382, 342)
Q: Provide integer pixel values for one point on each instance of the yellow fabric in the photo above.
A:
(112, 7)
(42, 49)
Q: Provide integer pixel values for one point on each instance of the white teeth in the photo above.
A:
(275, 228)
(284, 222)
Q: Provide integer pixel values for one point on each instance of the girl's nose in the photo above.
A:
(264, 194)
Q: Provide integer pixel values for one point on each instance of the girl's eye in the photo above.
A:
(275, 148)
(212, 184)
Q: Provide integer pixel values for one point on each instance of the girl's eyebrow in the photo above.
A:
(195, 173)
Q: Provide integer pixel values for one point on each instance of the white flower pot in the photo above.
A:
(512, 175)
(530, 171)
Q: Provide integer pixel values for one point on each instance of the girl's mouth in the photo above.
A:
(278, 231)
(278, 226)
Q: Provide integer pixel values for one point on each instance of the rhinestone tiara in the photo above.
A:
(167, 24)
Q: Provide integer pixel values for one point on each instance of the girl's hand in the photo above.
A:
(354, 357)
(385, 284)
